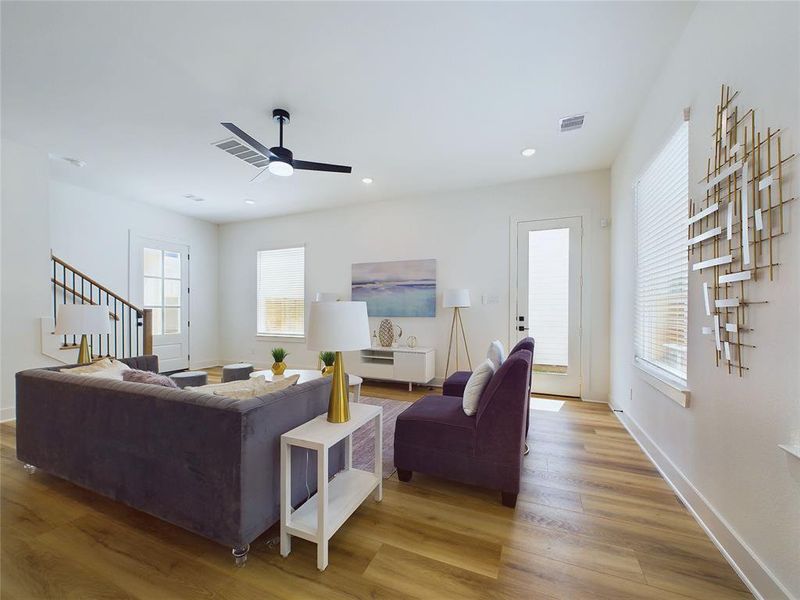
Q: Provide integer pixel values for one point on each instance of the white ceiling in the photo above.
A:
(420, 96)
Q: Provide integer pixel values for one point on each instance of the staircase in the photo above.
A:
(131, 326)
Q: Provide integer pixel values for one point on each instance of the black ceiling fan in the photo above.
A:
(281, 160)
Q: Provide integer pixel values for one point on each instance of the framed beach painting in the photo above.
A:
(402, 288)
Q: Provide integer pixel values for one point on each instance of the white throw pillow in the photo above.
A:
(475, 385)
(107, 368)
(496, 354)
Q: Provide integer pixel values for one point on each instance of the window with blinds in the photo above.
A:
(662, 277)
(280, 292)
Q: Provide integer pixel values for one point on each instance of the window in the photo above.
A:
(162, 289)
(662, 280)
(281, 292)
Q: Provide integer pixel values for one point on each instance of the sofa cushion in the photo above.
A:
(455, 384)
(137, 376)
(436, 422)
(496, 354)
(477, 382)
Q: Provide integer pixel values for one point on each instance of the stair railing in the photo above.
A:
(131, 325)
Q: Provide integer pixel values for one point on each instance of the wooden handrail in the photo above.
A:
(86, 300)
(94, 283)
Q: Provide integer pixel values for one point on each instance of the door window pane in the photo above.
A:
(548, 298)
(156, 321)
(172, 320)
(152, 262)
(172, 292)
(172, 264)
(152, 291)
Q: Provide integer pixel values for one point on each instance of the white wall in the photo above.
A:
(467, 232)
(99, 248)
(24, 281)
(721, 451)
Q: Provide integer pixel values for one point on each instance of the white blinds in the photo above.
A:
(281, 292)
(662, 203)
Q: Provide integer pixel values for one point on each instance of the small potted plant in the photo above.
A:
(327, 358)
(279, 355)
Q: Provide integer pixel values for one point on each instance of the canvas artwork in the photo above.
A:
(403, 288)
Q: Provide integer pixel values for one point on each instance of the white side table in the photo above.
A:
(327, 510)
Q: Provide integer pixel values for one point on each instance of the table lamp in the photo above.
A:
(83, 320)
(340, 327)
(456, 299)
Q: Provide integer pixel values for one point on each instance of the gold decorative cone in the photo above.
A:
(339, 404)
(84, 356)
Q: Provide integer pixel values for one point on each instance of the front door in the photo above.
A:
(549, 301)
(160, 282)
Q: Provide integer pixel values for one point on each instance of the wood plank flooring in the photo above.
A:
(594, 520)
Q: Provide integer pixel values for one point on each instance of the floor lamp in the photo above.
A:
(456, 299)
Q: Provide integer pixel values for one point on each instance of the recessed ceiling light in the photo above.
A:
(528, 151)
(249, 201)
(75, 162)
(366, 180)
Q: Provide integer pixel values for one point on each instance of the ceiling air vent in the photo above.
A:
(571, 123)
(235, 148)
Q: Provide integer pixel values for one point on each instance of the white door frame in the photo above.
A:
(134, 237)
(585, 289)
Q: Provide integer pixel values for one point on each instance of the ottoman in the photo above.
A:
(236, 372)
(187, 378)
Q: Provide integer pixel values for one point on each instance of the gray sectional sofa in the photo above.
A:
(206, 463)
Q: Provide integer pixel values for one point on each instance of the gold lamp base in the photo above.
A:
(339, 404)
(84, 356)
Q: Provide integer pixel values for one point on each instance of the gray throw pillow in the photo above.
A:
(137, 376)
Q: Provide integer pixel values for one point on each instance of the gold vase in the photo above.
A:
(327, 370)
(278, 368)
(339, 404)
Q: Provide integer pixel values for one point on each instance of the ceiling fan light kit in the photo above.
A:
(281, 159)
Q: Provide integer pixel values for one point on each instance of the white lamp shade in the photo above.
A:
(456, 298)
(77, 319)
(338, 326)
(326, 297)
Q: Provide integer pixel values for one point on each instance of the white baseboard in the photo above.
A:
(7, 414)
(752, 570)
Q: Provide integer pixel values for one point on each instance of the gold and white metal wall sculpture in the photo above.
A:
(732, 230)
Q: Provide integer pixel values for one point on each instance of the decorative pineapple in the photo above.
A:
(386, 333)
(279, 355)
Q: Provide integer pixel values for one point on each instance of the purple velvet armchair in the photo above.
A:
(436, 437)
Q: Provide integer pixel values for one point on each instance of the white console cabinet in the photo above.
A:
(410, 365)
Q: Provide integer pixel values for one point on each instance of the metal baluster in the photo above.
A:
(73, 299)
(116, 355)
(108, 335)
(130, 331)
(91, 337)
(55, 293)
(122, 316)
(64, 287)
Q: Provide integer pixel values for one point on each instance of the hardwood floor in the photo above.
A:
(594, 520)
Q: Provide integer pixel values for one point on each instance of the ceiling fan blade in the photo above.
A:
(250, 140)
(315, 166)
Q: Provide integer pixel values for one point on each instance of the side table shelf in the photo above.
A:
(327, 510)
